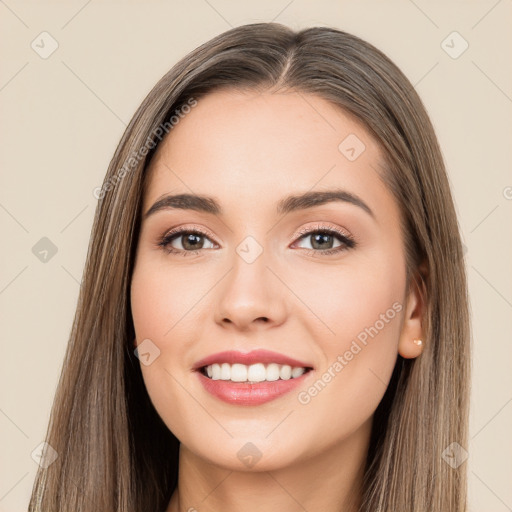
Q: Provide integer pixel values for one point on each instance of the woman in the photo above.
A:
(273, 314)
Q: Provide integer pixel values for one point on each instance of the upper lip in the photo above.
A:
(248, 358)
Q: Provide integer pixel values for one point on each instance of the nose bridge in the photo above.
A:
(250, 291)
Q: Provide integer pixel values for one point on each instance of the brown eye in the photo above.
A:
(191, 241)
(322, 241)
(186, 241)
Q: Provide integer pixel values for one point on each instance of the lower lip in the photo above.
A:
(241, 393)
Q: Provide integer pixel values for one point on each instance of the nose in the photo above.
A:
(251, 297)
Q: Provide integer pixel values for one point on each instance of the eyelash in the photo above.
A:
(347, 241)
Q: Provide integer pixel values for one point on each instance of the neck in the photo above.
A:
(330, 480)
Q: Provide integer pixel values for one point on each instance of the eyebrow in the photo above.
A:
(289, 204)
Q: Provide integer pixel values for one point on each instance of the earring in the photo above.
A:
(417, 342)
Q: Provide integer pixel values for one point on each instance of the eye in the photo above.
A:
(323, 239)
(186, 241)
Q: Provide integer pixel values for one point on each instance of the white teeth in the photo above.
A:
(286, 372)
(254, 373)
(272, 371)
(238, 372)
(225, 372)
(297, 372)
(215, 371)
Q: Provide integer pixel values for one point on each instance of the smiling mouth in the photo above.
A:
(252, 374)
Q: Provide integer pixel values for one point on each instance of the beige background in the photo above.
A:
(62, 116)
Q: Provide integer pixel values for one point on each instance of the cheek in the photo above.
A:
(164, 305)
(361, 310)
(346, 299)
(160, 299)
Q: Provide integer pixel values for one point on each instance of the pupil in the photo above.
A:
(189, 241)
(321, 238)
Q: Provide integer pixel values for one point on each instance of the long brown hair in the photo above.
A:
(115, 453)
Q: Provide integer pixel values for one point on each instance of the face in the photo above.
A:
(319, 283)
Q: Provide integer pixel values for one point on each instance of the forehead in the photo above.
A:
(257, 147)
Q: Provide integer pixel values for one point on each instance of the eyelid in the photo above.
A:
(319, 226)
(297, 234)
(190, 227)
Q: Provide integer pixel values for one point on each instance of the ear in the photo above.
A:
(412, 338)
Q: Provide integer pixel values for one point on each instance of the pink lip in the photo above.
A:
(248, 358)
(242, 393)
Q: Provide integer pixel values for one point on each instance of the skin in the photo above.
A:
(249, 150)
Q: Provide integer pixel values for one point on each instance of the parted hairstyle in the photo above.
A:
(115, 454)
